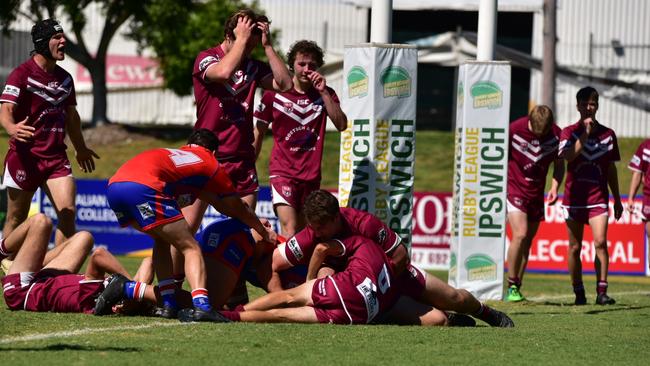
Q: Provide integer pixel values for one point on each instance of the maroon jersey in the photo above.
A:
(43, 97)
(529, 158)
(586, 181)
(298, 132)
(363, 289)
(639, 163)
(226, 108)
(299, 248)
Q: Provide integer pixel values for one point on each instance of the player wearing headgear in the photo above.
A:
(38, 108)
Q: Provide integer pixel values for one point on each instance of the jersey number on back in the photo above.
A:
(183, 158)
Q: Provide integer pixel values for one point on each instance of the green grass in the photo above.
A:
(548, 331)
(434, 157)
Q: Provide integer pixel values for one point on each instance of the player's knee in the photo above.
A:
(85, 238)
(600, 243)
(41, 221)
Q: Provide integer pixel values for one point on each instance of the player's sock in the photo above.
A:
(232, 315)
(135, 290)
(4, 252)
(200, 299)
(601, 288)
(179, 278)
(514, 281)
(167, 289)
(579, 290)
(483, 313)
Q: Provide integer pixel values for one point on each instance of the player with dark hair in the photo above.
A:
(38, 108)
(225, 78)
(591, 150)
(327, 221)
(57, 287)
(148, 191)
(534, 142)
(298, 117)
(640, 166)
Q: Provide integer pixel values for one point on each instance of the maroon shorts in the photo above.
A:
(27, 172)
(68, 293)
(291, 192)
(349, 298)
(411, 282)
(533, 208)
(243, 175)
(583, 214)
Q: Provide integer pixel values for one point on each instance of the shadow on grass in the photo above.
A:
(72, 347)
(598, 310)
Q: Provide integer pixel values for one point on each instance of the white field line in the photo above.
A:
(85, 331)
(571, 296)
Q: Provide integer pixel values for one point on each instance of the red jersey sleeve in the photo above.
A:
(264, 110)
(203, 61)
(13, 88)
(220, 183)
(298, 249)
(638, 163)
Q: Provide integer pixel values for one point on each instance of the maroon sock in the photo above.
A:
(514, 281)
(602, 287)
(232, 315)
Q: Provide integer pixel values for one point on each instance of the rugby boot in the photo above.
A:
(497, 318)
(603, 299)
(514, 295)
(198, 315)
(113, 292)
(460, 320)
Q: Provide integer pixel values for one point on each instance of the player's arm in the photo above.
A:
(575, 149)
(83, 154)
(332, 107)
(260, 130)
(20, 131)
(321, 252)
(556, 181)
(612, 181)
(281, 80)
(635, 182)
(233, 206)
(223, 70)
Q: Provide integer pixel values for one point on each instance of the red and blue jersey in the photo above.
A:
(179, 173)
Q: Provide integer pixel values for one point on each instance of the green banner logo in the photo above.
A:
(480, 267)
(486, 94)
(396, 81)
(460, 98)
(357, 82)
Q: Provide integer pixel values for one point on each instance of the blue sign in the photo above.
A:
(95, 215)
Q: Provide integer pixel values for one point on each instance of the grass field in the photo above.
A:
(549, 330)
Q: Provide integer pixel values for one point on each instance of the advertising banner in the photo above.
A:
(480, 173)
(378, 147)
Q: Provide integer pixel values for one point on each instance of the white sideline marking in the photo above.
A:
(571, 296)
(84, 331)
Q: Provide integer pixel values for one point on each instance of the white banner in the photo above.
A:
(378, 148)
(480, 174)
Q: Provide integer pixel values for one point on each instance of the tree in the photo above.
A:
(175, 30)
(116, 13)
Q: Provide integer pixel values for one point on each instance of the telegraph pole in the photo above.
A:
(548, 59)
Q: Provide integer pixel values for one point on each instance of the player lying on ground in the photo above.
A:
(57, 287)
(326, 221)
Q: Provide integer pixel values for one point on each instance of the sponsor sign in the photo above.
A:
(378, 147)
(125, 71)
(480, 174)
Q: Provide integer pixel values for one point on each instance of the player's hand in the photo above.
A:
(244, 28)
(317, 80)
(270, 235)
(618, 210)
(266, 33)
(589, 125)
(85, 159)
(21, 131)
(551, 197)
(630, 205)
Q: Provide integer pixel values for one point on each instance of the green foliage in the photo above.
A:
(176, 31)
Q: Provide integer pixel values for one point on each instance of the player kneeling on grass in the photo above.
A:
(57, 286)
